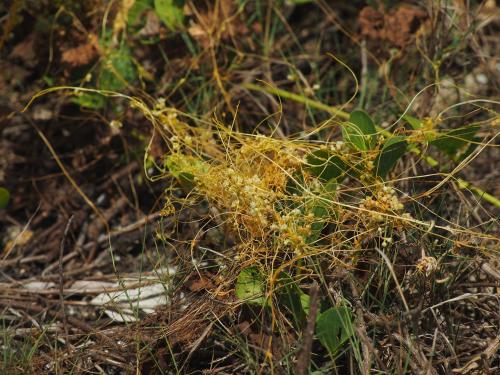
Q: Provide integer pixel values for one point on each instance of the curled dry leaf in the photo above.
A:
(82, 54)
(152, 25)
(25, 51)
(19, 237)
(200, 284)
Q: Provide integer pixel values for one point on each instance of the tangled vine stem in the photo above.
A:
(335, 111)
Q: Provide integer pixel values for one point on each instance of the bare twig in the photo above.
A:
(61, 275)
(305, 353)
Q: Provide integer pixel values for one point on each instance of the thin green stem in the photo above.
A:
(462, 184)
(298, 98)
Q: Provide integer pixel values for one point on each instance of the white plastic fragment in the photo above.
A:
(39, 285)
(121, 305)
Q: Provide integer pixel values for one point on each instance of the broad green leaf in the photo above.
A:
(334, 327)
(453, 140)
(414, 122)
(4, 197)
(290, 296)
(250, 286)
(324, 165)
(360, 131)
(392, 150)
(475, 141)
(170, 12)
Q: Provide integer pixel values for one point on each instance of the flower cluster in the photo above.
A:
(340, 147)
(383, 201)
(246, 198)
(427, 265)
(292, 228)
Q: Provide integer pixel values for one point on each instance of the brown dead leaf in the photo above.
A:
(265, 342)
(397, 27)
(82, 54)
(122, 17)
(371, 22)
(20, 239)
(152, 25)
(25, 51)
(201, 284)
(244, 327)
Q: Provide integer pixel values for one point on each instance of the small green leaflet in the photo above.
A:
(334, 327)
(360, 131)
(250, 286)
(392, 150)
(170, 12)
(4, 197)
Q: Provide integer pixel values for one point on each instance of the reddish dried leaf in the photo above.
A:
(80, 55)
(25, 51)
(397, 27)
(201, 284)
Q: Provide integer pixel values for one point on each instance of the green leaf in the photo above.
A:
(414, 122)
(250, 286)
(4, 197)
(185, 168)
(320, 212)
(334, 327)
(291, 297)
(392, 150)
(324, 165)
(305, 301)
(295, 185)
(138, 9)
(90, 100)
(170, 12)
(360, 131)
(475, 141)
(117, 71)
(331, 186)
(455, 139)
